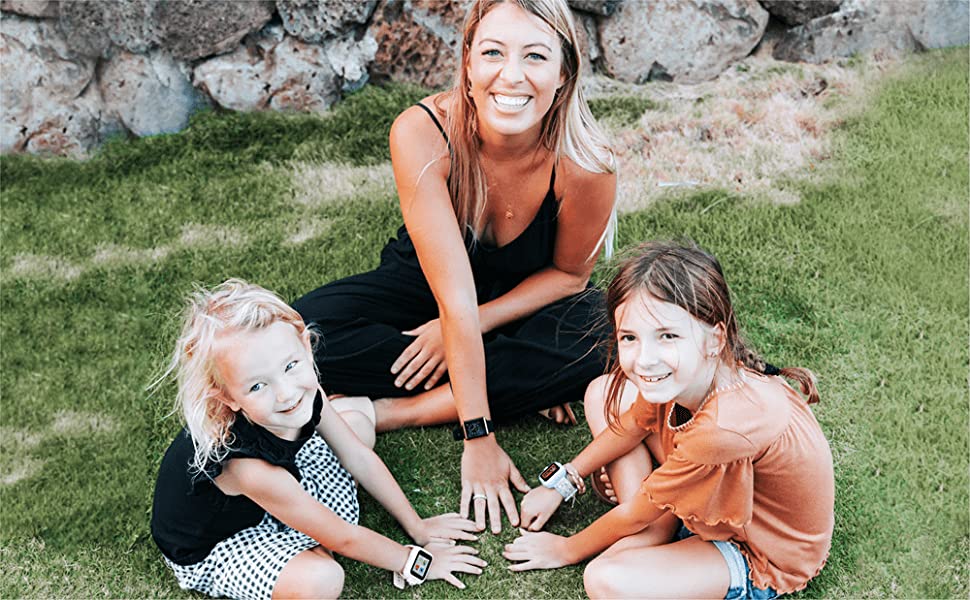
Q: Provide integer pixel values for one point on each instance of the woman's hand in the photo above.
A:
(486, 471)
(537, 550)
(423, 359)
(449, 560)
(445, 529)
(538, 505)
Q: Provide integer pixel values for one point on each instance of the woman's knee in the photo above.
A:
(310, 574)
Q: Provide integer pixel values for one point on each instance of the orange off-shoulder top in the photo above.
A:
(753, 468)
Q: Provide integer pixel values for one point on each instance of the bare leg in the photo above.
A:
(358, 412)
(434, 407)
(634, 568)
(312, 573)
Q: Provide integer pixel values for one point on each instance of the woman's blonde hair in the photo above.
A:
(208, 314)
(568, 129)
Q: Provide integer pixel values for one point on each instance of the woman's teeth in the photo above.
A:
(510, 101)
(654, 379)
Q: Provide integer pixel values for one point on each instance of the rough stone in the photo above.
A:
(317, 20)
(150, 93)
(189, 37)
(588, 38)
(44, 9)
(687, 42)
(799, 12)
(417, 40)
(48, 102)
(272, 70)
(877, 27)
(92, 27)
(603, 8)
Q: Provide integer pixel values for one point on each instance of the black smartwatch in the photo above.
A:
(474, 428)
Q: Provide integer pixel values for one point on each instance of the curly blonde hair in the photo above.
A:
(232, 306)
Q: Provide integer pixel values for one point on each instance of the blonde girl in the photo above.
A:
(741, 504)
(507, 191)
(258, 491)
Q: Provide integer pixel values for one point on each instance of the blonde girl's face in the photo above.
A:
(514, 68)
(665, 351)
(268, 374)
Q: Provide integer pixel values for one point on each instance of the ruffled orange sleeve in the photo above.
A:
(646, 415)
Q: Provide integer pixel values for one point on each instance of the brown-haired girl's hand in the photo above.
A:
(423, 359)
(449, 560)
(445, 529)
(537, 506)
(537, 550)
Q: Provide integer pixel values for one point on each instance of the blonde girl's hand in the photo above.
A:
(423, 360)
(445, 529)
(537, 506)
(537, 550)
(449, 560)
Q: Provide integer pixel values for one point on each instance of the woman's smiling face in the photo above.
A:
(514, 68)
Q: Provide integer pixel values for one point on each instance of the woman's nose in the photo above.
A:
(512, 71)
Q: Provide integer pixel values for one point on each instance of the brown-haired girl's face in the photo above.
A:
(664, 351)
(514, 68)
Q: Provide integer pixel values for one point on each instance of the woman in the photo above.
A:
(507, 190)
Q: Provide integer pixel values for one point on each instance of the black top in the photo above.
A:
(190, 515)
(496, 269)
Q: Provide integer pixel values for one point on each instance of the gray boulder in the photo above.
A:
(798, 12)
(91, 28)
(603, 8)
(47, 100)
(193, 29)
(317, 20)
(151, 94)
(687, 42)
(417, 40)
(273, 70)
(877, 26)
(44, 9)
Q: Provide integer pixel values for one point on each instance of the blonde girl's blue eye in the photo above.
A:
(292, 364)
(256, 387)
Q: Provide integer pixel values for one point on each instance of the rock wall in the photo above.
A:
(76, 72)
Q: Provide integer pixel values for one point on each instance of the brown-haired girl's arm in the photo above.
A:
(421, 178)
(540, 504)
(281, 495)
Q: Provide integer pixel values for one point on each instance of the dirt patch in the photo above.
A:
(35, 266)
(69, 422)
(307, 230)
(112, 255)
(197, 236)
(323, 184)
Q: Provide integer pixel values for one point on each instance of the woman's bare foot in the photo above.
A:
(562, 414)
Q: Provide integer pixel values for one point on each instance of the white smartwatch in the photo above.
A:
(415, 569)
(554, 477)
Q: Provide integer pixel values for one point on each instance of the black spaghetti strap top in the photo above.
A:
(496, 269)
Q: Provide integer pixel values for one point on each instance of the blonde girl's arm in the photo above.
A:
(276, 490)
(421, 179)
(372, 474)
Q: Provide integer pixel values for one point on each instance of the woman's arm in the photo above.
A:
(421, 177)
(372, 474)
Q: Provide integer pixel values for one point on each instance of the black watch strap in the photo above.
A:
(473, 428)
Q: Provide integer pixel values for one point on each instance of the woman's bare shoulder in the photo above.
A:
(572, 174)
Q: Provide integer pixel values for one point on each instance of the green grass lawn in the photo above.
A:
(865, 281)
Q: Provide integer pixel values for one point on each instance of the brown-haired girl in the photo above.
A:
(507, 190)
(741, 504)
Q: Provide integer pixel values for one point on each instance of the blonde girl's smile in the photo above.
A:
(269, 376)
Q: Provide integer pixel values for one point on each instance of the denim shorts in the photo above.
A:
(741, 586)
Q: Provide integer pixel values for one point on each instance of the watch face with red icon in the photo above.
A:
(421, 563)
(549, 471)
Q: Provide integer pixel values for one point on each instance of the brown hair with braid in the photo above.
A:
(686, 275)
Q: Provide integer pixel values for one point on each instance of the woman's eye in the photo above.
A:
(291, 364)
(491, 53)
(627, 338)
(668, 336)
(256, 387)
(535, 56)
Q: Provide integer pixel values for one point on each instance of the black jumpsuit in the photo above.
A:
(537, 362)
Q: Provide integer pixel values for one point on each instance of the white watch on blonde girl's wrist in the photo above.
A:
(415, 569)
(555, 477)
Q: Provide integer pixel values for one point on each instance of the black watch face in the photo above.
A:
(549, 472)
(475, 429)
(421, 563)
